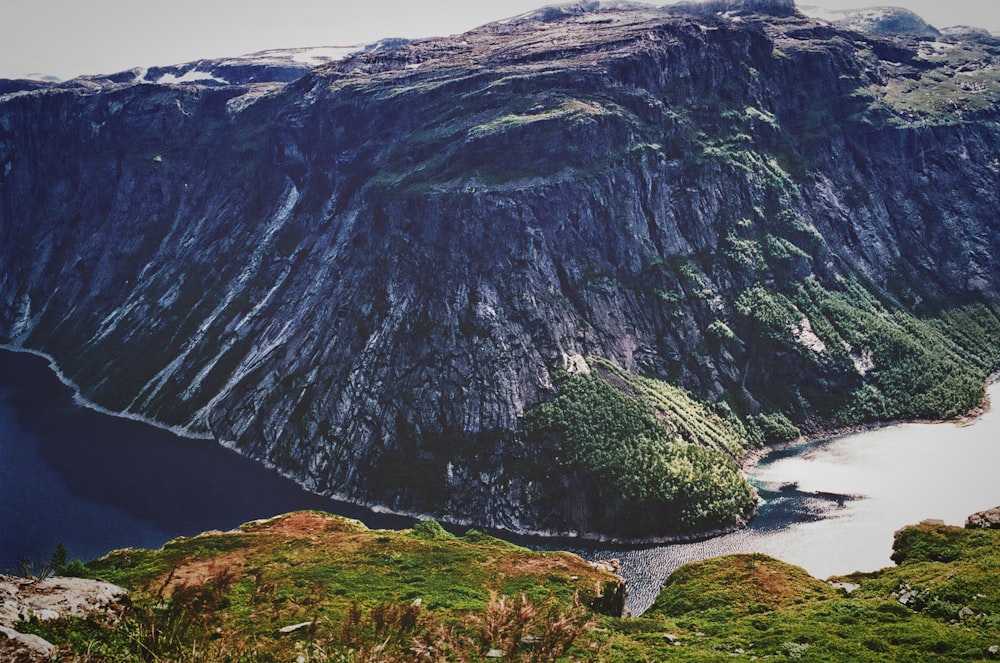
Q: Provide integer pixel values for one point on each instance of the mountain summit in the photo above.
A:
(549, 275)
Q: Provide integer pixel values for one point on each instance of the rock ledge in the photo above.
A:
(22, 599)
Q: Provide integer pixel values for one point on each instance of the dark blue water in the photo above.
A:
(96, 482)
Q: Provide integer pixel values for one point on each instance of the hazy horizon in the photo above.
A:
(67, 38)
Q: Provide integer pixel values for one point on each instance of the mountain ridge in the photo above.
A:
(368, 277)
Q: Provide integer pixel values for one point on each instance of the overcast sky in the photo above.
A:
(67, 38)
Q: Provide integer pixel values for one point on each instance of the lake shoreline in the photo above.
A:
(524, 537)
(823, 434)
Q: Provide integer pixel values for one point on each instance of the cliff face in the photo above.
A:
(366, 276)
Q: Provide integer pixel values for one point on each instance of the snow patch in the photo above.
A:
(322, 55)
(192, 76)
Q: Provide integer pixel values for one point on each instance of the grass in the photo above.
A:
(426, 595)
(960, 87)
(751, 606)
(226, 595)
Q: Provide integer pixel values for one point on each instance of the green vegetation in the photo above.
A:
(657, 461)
(358, 594)
(751, 606)
(908, 367)
(424, 595)
(952, 83)
(510, 131)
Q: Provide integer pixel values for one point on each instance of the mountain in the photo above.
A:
(878, 20)
(560, 273)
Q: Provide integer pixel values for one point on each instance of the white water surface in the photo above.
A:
(832, 506)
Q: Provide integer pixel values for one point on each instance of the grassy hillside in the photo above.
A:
(354, 594)
(942, 603)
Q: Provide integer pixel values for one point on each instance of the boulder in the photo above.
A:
(58, 597)
(24, 647)
(988, 519)
(22, 599)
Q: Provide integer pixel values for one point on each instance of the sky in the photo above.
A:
(67, 38)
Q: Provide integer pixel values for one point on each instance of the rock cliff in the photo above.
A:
(367, 276)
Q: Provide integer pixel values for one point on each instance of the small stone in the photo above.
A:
(965, 612)
(494, 653)
(294, 627)
(994, 650)
(45, 614)
(669, 637)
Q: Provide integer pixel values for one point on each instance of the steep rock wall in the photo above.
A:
(367, 276)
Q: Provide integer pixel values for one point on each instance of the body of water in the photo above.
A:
(832, 506)
(96, 482)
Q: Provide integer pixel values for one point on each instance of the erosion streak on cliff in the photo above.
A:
(365, 277)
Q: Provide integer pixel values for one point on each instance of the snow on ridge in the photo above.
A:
(833, 15)
(192, 76)
(323, 54)
(311, 56)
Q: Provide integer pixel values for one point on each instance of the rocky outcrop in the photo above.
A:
(879, 20)
(24, 599)
(366, 277)
(988, 519)
(18, 647)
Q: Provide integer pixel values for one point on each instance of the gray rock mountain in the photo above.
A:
(745, 225)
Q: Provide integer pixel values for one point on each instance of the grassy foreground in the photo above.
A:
(424, 595)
